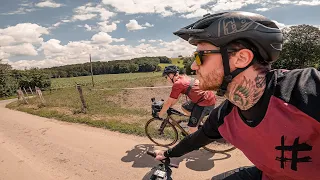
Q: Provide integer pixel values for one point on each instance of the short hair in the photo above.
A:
(259, 64)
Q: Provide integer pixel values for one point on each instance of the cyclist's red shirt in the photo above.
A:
(205, 98)
(280, 135)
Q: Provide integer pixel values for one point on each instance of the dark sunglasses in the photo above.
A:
(199, 54)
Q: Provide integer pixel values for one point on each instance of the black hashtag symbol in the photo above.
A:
(295, 148)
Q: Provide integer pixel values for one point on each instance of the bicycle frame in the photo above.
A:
(170, 112)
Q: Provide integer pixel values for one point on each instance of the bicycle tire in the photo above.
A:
(216, 150)
(154, 140)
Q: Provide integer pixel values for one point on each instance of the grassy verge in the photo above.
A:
(112, 125)
(6, 98)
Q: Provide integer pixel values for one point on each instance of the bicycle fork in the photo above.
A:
(163, 125)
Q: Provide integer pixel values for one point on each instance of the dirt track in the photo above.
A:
(34, 148)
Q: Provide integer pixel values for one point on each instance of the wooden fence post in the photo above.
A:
(39, 93)
(84, 106)
(21, 96)
(24, 89)
(31, 90)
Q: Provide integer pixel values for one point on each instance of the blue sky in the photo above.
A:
(45, 33)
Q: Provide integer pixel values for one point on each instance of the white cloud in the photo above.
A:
(195, 8)
(101, 37)
(89, 11)
(21, 10)
(83, 17)
(4, 55)
(196, 13)
(169, 7)
(6, 40)
(25, 33)
(20, 40)
(152, 40)
(134, 25)
(88, 28)
(142, 40)
(118, 40)
(148, 24)
(65, 20)
(305, 2)
(52, 48)
(26, 49)
(57, 24)
(262, 9)
(105, 27)
(26, 4)
(155, 6)
(287, 2)
(280, 25)
(48, 3)
(310, 3)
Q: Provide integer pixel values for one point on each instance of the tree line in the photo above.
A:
(11, 80)
(142, 64)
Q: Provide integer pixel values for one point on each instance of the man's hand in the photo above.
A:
(170, 102)
(160, 115)
(159, 155)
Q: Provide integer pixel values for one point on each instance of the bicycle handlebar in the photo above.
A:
(164, 161)
(157, 106)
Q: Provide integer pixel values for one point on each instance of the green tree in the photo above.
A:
(133, 67)
(8, 84)
(34, 77)
(301, 48)
(187, 61)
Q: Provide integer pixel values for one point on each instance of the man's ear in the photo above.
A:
(243, 58)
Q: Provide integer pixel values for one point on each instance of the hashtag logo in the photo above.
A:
(295, 148)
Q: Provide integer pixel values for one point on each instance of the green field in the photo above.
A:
(175, 61)
(110, 80)
(115, 80)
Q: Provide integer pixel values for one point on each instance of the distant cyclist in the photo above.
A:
(272, 116)
(200, 103)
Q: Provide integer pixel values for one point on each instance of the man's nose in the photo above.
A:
(194, 66)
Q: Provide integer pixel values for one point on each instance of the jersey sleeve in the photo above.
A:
(176, 90)
(301, 88)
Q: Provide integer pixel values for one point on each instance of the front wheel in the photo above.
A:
(219, 146)
(161, 132)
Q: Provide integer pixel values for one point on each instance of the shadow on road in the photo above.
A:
(200, 160)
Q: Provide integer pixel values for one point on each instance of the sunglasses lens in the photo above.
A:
(197, 59)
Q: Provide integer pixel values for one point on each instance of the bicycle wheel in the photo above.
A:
(166, 136)
(219, 146)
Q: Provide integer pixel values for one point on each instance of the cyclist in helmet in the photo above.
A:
(200, 103)
(272, 116)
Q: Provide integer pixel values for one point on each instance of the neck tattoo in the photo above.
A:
(247, 93)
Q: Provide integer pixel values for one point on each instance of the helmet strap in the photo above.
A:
(172, 78)
(228, 76)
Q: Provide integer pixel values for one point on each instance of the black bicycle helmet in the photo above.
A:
(170, 69)
(223, 28)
